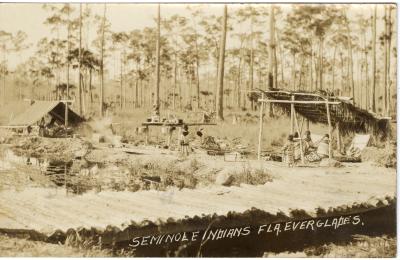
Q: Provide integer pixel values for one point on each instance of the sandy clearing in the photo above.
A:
(302, 188)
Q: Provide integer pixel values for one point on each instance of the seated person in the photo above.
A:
(323, 147)
(309, 146)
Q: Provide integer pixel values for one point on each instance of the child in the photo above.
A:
(288, 151)
(184, 143)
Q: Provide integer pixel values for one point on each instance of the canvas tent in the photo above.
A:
(39, 109)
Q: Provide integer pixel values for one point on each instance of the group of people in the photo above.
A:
(312, 151)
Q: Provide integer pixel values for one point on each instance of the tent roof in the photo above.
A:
(41, 108)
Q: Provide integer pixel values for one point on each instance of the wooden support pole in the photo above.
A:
(260, 129)
(330, 129)
(301, 139)
(307, 125)
(169, 136)
(147, 130)
(65, 179)
(292, 116)
(338, 137)
(66, 114)
(301, 127)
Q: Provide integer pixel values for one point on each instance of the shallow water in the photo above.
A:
(79, 176)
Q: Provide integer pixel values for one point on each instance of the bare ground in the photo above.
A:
(360, 247)
(45, 209)
(20, 247)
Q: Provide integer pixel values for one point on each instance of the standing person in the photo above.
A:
(200, 134)
(184, 143)
(42, 124)
(297, 146)
(288, 152)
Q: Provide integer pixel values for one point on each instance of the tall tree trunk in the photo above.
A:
(239, 82)
(372, 102)
(387, 57)
(102, 62)
(157, 90)
(341, 73)
(251, 69)
(333, 69)
(83, 96)
(221, 61)
(271, 49)
(281, 57)
(301, 72)
(80, 61)
(385, 70)
(141, 93)
(90, 87)
(197, 74)
(293, 82)
(311, 69)
(350, 54)
(366, 72)
(359, 79)
(136, 93)
(275, 73)
(68, 47)
(4, 72)
(121, 86)
(388, 54)
(174, 90)
(321, 62)
(124, 64)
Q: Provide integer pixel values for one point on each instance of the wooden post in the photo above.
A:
(330, 128)
(261, 128)
(147, 130)
(339, 137)
(301, 139)
(307, 125)
(292, 116)
(169, 137)
(66, 114)
(65, 178)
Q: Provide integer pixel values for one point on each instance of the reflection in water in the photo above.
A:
(79, 175)
(61, 173)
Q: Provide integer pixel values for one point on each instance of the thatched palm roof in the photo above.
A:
(350, 117)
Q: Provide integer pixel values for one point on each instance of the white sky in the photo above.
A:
(29, 17)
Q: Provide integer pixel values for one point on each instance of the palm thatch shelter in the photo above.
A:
(324, 108)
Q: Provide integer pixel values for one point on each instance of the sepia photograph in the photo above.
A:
(198, 130)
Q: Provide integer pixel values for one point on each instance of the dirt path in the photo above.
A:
(48, 209)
